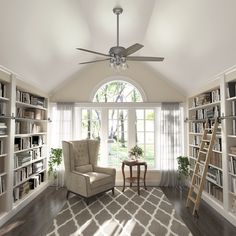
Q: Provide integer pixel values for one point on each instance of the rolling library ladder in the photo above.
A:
(201, 166)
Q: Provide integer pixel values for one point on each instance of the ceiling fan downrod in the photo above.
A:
(117, 11)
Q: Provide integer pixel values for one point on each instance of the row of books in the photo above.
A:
(22, 190)
(214, 190)
(25, 158)
(3, 90)
(3, 128)
(25, 172)
(216, 159)
(30, 99)
(218, 144)
(194, 151)
(231, 89)
(26, 127)
(206, 98)
(232, 150)
(232, 165)
(2, 184)
(22, 143)
(196, 127)
(207, 113)
(3, 108)
(30, 113)
(233, 184)
(215, 176)
(1, 147)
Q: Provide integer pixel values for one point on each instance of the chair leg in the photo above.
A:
(87, 201)
(113, 191)
(67, 195)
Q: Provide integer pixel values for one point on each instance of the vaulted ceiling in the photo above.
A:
(38, 37)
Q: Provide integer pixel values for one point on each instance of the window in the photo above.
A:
(117, 91)
(117, 136)
(145, 133)
(91, 124)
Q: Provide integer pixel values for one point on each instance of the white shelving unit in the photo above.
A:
(23, 144)
(219, 192)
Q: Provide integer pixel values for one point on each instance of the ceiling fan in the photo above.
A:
(118, 55)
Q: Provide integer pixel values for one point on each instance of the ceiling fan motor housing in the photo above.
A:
(117, 51)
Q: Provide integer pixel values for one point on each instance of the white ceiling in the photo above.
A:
(38, 37)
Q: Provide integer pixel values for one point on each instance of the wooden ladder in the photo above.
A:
(201, 166)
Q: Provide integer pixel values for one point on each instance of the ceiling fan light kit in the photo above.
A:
(118, 55)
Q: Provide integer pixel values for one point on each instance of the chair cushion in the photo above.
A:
(84, 168)
(81, 156)
(99, 179)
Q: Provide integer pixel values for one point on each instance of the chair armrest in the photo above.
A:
(105, 170)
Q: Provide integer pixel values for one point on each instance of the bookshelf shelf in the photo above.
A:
(216, 167)
(3, 136)
(23, 104)
(2, 174)
(30, 134)
(31, 162)
(31, 120)
(4, 99)
(3, 155)
(26, 179)
(204, 106)
(29, 195)
(1, 194)
(28, 149)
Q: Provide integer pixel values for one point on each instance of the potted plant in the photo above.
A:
(183, 169)
(136, 151)
(55, 160)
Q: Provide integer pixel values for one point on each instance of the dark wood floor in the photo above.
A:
(34, 219)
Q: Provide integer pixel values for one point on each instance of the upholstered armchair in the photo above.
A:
(82, 175)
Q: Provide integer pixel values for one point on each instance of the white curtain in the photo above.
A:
(61, 128)
(170, 142)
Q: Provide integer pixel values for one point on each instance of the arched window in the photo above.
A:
(118, 91)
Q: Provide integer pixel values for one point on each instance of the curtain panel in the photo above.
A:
(170, 142)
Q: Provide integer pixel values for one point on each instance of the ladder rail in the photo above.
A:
(203, 171)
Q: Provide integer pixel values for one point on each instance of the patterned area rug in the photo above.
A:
(126, 213)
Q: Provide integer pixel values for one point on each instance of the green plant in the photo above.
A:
(55, 160)
(183, 167)
(136, 151)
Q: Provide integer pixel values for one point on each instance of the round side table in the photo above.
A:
(132, 179)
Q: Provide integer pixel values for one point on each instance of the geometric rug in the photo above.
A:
(128, 213)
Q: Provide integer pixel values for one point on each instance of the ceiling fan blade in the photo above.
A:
(98, 53)
(134, 48)
(144, 58)
(87, 62)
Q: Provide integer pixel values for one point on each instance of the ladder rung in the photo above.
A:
(200, 163)
(203, 152)
(206, 140)
(196, 187)
(198, 175)
(192, 199)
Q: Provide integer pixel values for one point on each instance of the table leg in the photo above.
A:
(131, 176)
(144, 178)
(123, 173)
(138, 178)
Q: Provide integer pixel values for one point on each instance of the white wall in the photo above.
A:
(79, 87)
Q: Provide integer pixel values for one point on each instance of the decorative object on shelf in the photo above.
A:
(183, 169)
(54, 163)
(136, 152)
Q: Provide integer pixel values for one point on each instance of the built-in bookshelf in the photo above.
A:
(231, 142)
(23, 144)
(218, 100)
(30, 152)
(202, 107)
